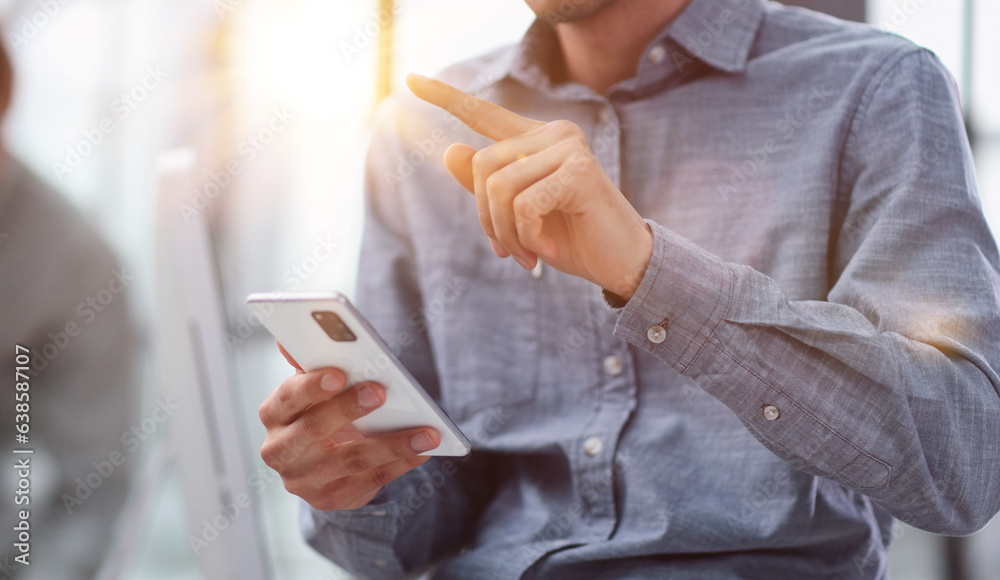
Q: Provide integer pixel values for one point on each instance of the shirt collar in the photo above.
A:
(719, 33)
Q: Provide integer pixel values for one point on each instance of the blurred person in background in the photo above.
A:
(765, 325)
(63, 296)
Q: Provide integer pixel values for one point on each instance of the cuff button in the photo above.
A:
(656, 334)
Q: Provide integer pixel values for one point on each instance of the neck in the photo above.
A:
(605, 48)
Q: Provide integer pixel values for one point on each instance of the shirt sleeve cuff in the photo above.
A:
(613, 301)
(681, 299)
(360, 540)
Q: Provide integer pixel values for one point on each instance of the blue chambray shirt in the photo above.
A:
(812, 351)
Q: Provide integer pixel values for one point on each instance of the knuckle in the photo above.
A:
(283, 396)
(286, 457)
(355, 460)
(311, 426)
(525, 207)
(569, 147)
(279, 399)
(543, 202)
(381, 476)
(399, 447)
(581, 159)
(483, 160)
(496, 183)
(466, 104)
(277, 456)
(271, 454)
(523, 219)
(349, 407)
(563, 177)
(567, 128)
(573, 144)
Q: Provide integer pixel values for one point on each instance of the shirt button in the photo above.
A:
(657, 54)
(536, 272)
(613, 366)
(605, 115)
(771, 413)
(378, 563)
(656, 334)
(592, 446)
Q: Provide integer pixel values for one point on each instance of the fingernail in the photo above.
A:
(329, 382)
(367, 397)
(522, 262)
(421, 442)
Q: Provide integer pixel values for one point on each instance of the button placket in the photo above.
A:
(593, 446)
(613, 365)
(657, 54)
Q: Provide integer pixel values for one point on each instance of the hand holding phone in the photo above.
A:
(351, 419)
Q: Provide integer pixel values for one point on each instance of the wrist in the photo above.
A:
(636, 264)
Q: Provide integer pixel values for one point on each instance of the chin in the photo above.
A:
(555, 11)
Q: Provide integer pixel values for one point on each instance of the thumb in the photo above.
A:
(458, 160)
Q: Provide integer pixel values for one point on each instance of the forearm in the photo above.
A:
(911, 422)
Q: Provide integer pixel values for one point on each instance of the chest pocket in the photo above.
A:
(481, 316)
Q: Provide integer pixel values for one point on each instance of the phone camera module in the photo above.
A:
(334, 327)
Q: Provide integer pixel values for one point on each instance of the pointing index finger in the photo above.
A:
(483, 117)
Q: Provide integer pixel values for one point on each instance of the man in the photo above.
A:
(64, 299)
(767, 319)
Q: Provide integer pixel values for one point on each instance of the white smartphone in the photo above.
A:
(323, 329)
